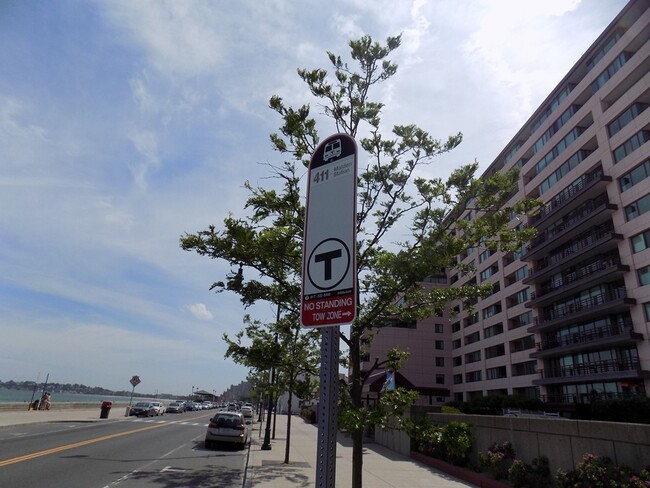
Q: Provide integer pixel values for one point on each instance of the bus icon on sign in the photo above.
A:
(332, 150)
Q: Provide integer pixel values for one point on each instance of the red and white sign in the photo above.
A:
(329, 265)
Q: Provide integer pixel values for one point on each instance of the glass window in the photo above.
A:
(635, 176)
(440, 362)
(493, 330)
(440, 345)
(631, 145)
(625, 118)
(647, 311)
(644, 275)
(641, 241)
(641, 206)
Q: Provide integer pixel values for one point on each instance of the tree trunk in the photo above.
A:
(355, 397)
(287, 445)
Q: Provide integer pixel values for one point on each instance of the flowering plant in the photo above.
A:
(497, 459)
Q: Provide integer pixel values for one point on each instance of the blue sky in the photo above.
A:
(125, 123)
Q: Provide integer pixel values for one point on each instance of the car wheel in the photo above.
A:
(208, 444)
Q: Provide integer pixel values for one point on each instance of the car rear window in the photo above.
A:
(227, 421)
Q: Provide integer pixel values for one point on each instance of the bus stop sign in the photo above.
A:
(329, 274)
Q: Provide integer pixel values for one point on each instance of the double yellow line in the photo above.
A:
(54, 450)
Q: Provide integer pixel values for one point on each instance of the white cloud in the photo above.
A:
(200, 311)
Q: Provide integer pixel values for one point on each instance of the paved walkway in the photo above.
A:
(382, 468)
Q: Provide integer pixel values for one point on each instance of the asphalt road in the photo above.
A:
(160, 452)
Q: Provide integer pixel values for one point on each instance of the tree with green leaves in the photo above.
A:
(283, 346)
(393, 196)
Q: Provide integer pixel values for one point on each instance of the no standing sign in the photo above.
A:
(329, 274)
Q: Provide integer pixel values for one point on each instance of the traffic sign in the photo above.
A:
(135, 381)
(329, 274)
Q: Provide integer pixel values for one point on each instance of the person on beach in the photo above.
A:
(45, 401)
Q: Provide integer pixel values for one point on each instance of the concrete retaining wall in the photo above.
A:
(564, 442)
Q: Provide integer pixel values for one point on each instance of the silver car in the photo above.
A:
(227, 427)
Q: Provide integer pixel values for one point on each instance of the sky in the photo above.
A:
(126, 123)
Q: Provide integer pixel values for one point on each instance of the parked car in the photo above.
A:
(160, 408)
(227, 427)
(143, 409)
(176, 407)
(247, 412)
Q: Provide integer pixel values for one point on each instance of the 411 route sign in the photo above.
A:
(329, 267)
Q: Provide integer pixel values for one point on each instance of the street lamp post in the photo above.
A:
(267, 433)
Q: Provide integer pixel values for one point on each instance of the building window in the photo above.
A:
(558, 149)
(496, 329)
(647, 311)
(455, 327)
(495, 351)
(641, 206)
(458, 379)
(611, 70)
(457, 361)
(520, 320)
(440, 379)
(554, 104)
(485, 255)
(563, 170)
(625, 118)
(635, 176)
(641, 241)
(473, 376)
(473, 357)
(472, 338)
(439, 328)
(492, 310)
(523, 344)
(440, 345)
(520, 297)
(496, 373)
(631, 145)
(527, 367)
(644, 275)
(486, 273)
(555, 127)
(600, 54)
(440, 362)
(455, 344)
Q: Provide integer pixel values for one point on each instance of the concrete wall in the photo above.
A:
(564, 442)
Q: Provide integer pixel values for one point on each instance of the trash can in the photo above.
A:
(106, 408)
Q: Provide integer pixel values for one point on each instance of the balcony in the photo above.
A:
(587, 187)
(595, 213)
(599, 241)
(613, 301)
(615, 335)
(597, 371)
(582, 276)
(586, 397)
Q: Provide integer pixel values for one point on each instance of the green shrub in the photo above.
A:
(634, 410)
(456, 438)
(497, 459)
(601, 472)
(537, 475)
(451, 442)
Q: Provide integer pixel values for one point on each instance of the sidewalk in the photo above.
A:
(382, 468)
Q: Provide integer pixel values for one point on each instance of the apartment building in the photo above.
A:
(568, 321)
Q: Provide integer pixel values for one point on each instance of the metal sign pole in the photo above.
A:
(328, 408)
(329, 277)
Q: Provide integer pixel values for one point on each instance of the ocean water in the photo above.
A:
(25, 396)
